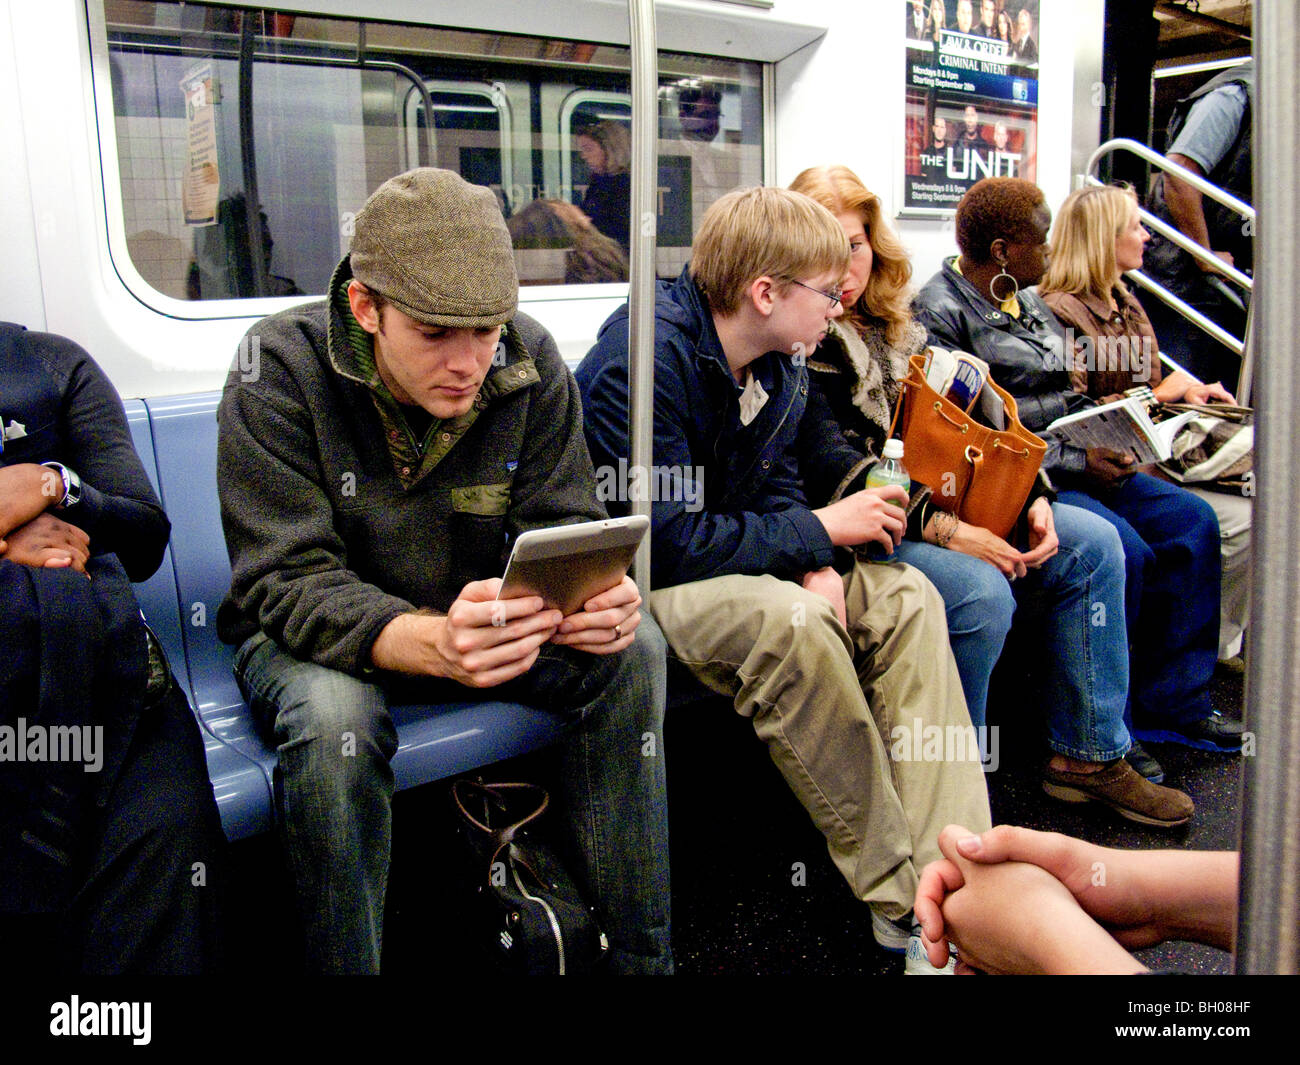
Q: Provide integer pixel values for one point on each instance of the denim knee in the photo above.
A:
(342, 719)
(988, 606)
(642, 667)
(1202, 527)
(1096, 542)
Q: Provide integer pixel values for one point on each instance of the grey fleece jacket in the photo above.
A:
(327, 544)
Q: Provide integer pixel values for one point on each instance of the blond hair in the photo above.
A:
(886, 294)
(1083, 241)
(763, 232)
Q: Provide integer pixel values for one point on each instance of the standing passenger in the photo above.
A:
(398, 434)
(832, 669)
(1210, 135)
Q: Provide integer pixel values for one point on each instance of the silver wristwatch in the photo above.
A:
(71, 485)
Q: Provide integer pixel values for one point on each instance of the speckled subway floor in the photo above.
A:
(754, 891)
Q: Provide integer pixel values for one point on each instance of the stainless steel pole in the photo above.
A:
(1268, 929)
(641, 326)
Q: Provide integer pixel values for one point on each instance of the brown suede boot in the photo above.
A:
(1123, 789)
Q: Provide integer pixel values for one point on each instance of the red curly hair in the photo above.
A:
(996, 207)
(886, 296)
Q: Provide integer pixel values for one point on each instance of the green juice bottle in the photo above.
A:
(890, 470)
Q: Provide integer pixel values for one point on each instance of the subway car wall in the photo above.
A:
(102, 250)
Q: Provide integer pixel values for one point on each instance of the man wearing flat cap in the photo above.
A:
(394, 439)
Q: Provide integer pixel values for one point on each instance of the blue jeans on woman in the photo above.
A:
(1172, 586)
(1079, 593)
(336, 796)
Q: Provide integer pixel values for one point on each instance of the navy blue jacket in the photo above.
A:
(760, 481)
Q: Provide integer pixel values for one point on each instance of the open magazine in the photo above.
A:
(1123, 425)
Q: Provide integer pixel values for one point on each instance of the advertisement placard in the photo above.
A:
(971, 98)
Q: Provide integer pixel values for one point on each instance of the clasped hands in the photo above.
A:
(1018, 901)
(29, 533)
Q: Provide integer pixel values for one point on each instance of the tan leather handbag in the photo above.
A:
(980, 474)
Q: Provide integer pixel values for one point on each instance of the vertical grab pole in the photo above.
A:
(641, 332)
(248, 156)
(1268, 933)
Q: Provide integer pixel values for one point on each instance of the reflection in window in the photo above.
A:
(217, 107)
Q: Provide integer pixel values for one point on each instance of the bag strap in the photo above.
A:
(1226, 411)
(975, 457)
(903, 386)
(497, 795)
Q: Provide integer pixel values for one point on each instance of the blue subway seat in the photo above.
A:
(177, 440)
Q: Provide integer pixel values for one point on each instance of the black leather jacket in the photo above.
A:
(1026, 355)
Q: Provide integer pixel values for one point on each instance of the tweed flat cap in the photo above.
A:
(437, 248)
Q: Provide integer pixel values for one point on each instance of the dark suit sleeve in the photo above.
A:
(118, 510)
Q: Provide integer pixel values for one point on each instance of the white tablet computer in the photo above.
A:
(568, 564)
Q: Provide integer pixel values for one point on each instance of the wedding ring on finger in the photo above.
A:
(618, 632)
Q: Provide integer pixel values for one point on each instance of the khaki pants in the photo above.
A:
(827, 702)
(1234, 514)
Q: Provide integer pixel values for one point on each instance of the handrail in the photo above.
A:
(358, 60)
(1188, 311)
(641, 261)
(1153, 157)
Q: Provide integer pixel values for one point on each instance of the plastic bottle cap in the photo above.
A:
(893, 448)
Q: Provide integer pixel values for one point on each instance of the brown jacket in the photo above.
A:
(1113, 350)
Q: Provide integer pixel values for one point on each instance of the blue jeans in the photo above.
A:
(336, 816)
(979, 606)
(1079, 595)
(1172, 586)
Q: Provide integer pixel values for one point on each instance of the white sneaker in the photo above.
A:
(917, 962)
(891, 935)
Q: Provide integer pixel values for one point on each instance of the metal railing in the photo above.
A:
(1239, 345)
(641, 260)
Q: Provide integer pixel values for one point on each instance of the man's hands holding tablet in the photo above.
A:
(606, 623)
(484, 640)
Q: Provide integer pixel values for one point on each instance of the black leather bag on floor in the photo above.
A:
(532, 917)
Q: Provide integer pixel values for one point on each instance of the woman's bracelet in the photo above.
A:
(945, 527)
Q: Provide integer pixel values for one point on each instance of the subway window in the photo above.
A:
(247, 139)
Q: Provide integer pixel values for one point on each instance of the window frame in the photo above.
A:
(111, 192)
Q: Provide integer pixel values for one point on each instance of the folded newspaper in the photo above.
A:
(962, 379)
(1122, 426)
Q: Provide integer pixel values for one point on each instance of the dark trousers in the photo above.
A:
(117, 870)
(1171, 596)
(150, 878)
(151, 901)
